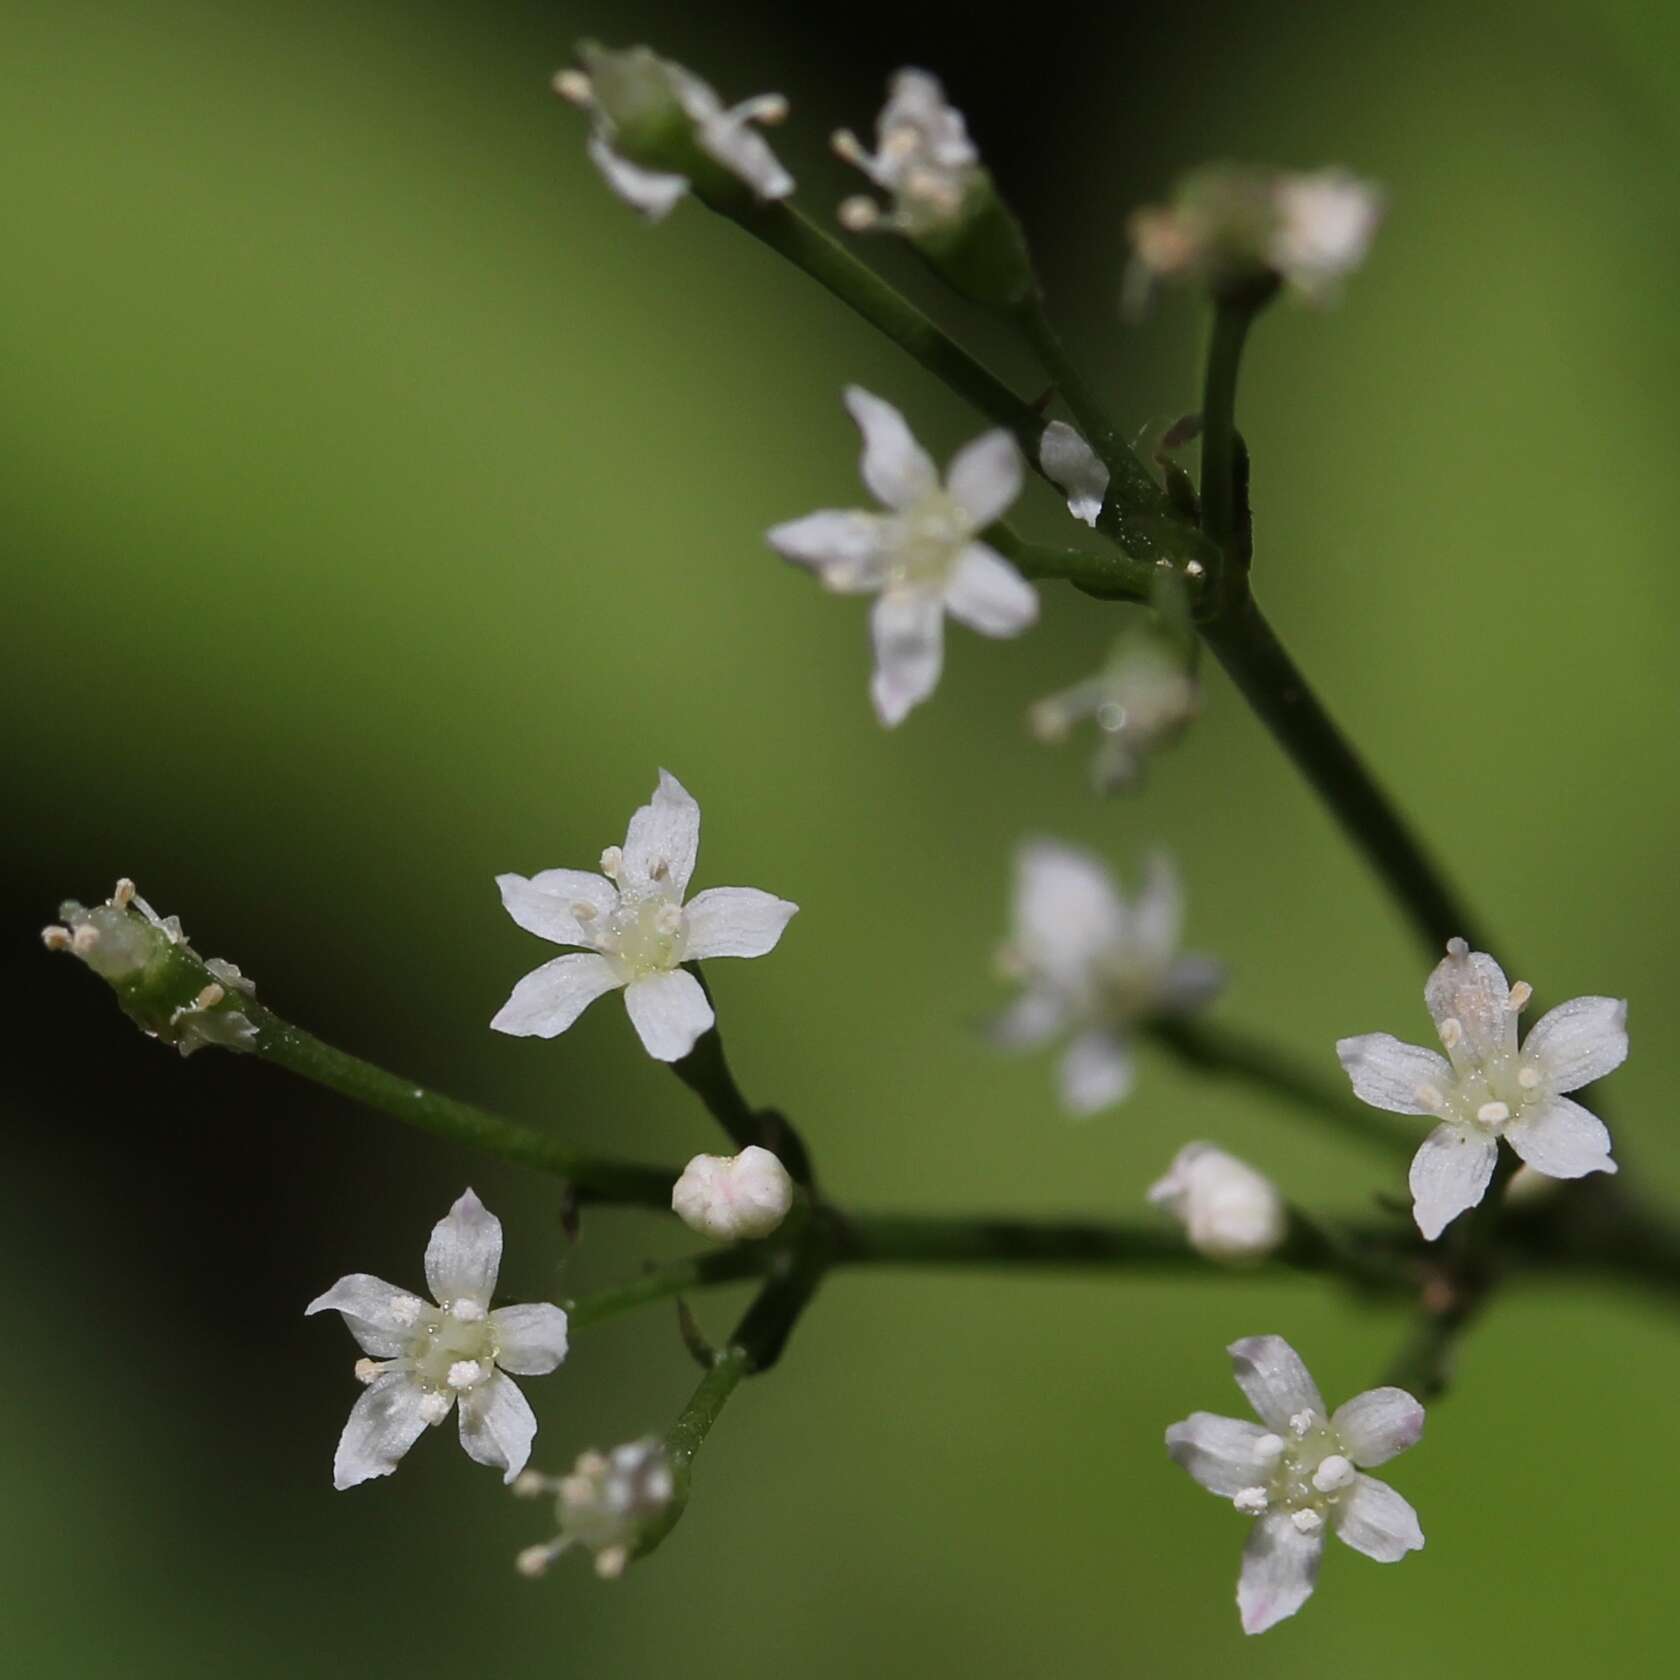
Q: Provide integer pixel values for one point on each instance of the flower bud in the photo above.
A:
(606, 1504)
(730, 1197)
(1229, 1211)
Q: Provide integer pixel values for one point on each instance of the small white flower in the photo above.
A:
(1093, 963)
(924, 159)
(605, 1505)
(424, 1358)
(921, 556)
(1071, 464)
(636, 930)
(729, 1197)
(1298, 1472)
(1490, 1088)
(636, 90)
(1228, 1210)
(1326, 222)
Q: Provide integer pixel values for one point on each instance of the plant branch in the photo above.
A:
(1110, 576)
(658, 1283)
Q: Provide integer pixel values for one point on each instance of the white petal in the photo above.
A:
(1066, 910)
(844, 548)
(1279, 1571)
(735, 922)
(1389, 1074)
(984, 478)
(550, 998)
(669, 1011)
(1221, 1452)
(1071, 464)
(988, 594)
(1373, 1519)
(384, 1423)
(1561, 1139)
(465, 1253)
(1376, 1425)
(909, 650)
(1034, 1018)
(1470, 988)
(655, 195)
(546, 904)
(663, 839)
(1578, 1042)
(372, 1312)
(1157, 917)
(1450, 1173)
(498, 1425)
(1191, 982)
(1269, 1371)
(895, 467)
(1097, 1072)
(741, 148)
(530, 1339)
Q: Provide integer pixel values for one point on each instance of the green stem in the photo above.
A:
(1110, 576)
(1233, 316)
(659, 1283)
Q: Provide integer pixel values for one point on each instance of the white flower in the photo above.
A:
(1071, 464)
(604, 1505)
(921, 555)
(1326, 222)
(1095, 964)
(923, 159)
(728, 1197)
(1490, 1088)
(636, 930)
(1298, 1472)
(1228, 1210)
(423, 1358)
(635, 96)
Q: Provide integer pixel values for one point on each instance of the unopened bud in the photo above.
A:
(731, 1197)
(1229, 1211)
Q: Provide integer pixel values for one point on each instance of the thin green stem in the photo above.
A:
(676, 1277)
(1110, 576)
(1233, 316)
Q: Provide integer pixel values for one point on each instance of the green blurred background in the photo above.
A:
(382, 505)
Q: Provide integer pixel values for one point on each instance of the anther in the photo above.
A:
(1457, 948)
(1300, 1423)
(575, 87)
(531, 1484)
(1528, 1078)
(464, 1373)
(84, 939)
(465, 1310)
(1251, 1501)
(57, 938)
(859, 214)
(1194, 569)
(847, 146)
(1307, 1521)
(1269, 1448)
(1520, 994)
(584, 912)
(534, 1560)
(368, 1370)
(434, 1407)
(1492, 1113)
(122, 895)
(209, 997)
(609, 1564)
(1334, 1474)
(612, 860)
(1452, 1032)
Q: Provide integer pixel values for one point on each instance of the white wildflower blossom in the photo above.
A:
(1092, 964)
(921, 557)
(425, 1357)
(1072, 465)
(1326, 222)
(1228, 1210)
(1300, 1472)
(605, 1505)
(639, 102)
(636, 931)
(1487, 1087)
(923, 159)
(730, 1197)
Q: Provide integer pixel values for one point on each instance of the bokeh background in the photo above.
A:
(381, 505)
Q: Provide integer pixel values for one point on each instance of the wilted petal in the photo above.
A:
(547, 904)
(669, 1011)
(379, 1315)
(1097, 1072)
(1561, 1139)
(1279, 1571)
(988, 594)
(1578, 1042)
(843, 547)
(1269, 1371)
(654, 194)
(498, 1425)
(735, 922)
(909, 650)
(550, 998)
(1470, 987)
(1071, 464)
(1450, 1173)
(663, 840)
(1377, 1424)
(1222, 1453)
(984, 478)
(384, 1423)
(465, 1252)
(1035, 1017)
(1373, 1519)
(531, 1339)
(1389, 1074)
(895, 467)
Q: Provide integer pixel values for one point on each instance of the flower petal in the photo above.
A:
(663, 839)
(1269, 1371)
(735, 922)
(1097, 1072)
(1378, 1424)
(909, 650)
(1192, 981)
(1470, 987)
(1389, 1074)
(1578, 1042)
(988, 594)
(550, 998)
(530, 1339)
(1561, 1139)
(1450, 1173)
(895, 467)
(844, 548)
(384, 1423)
(654, 194)
(1066, 910)
(547, 904)
(669, 1011)
(465, 1253)
(1071, 464)
(498, 1425)
(1372, 1518)
(1034, 1018)
(1222, 1453)
(740, 148)
(984, 478)
(1158, 913)
(379, 1315)
(1279, 1571)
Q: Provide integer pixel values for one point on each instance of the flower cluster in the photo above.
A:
(606, 1504)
